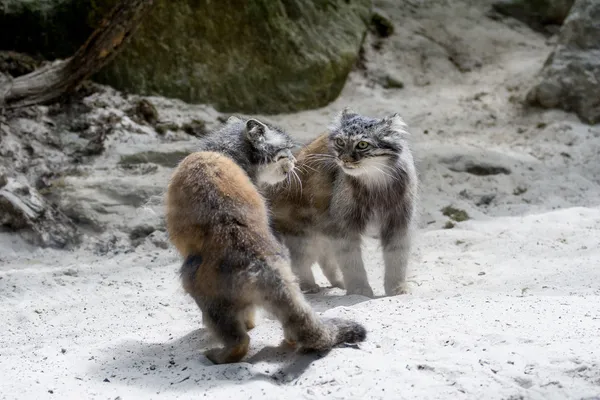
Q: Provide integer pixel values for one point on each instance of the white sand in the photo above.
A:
(503, 306)
(511, 310)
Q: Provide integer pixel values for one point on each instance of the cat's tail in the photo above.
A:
(345, 331)
(302, 327)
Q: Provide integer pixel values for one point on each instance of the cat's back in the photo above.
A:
(228, 140)
(211, 199)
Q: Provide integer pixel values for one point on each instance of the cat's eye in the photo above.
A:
(362, 145)
(339, 142)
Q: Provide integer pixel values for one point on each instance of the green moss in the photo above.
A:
(455, 214)
(449, 225)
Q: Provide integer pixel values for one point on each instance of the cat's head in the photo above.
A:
(272, 151)
(366, 147)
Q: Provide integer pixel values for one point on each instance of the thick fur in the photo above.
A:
(218, 222)
(349, 192)
(262, 150)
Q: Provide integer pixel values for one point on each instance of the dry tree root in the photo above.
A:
(55, 79)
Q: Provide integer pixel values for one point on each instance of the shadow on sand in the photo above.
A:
(180, 365)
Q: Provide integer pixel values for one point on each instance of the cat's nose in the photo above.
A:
(287, 166)
(346, 159)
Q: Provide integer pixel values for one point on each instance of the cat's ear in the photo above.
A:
(340, 117)
(255, 130)
(233, 120)
(394, 123)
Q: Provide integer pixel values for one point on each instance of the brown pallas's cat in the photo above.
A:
(218, 221)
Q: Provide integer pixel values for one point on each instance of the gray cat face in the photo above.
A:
(271, 151)
(366, 147)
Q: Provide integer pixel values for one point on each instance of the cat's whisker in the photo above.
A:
(304, 169)
(299, 181)
(382, 165)
(309, 167)
(319, 154)
(385, 173)
(322, 162)
(320, 159)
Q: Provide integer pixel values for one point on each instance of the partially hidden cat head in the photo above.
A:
(366, 147)
(271, 151)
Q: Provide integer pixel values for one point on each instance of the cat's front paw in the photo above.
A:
(397, 290)
(336, 283)
(310, 288)
(360, 290)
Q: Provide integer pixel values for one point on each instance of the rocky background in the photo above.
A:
(89, 171)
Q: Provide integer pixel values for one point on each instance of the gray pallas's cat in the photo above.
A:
(356, 179)
(262, 150)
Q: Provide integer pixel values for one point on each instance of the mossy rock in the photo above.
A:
(259, 56)
(535, 13)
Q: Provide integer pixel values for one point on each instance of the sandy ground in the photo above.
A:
(505, 305)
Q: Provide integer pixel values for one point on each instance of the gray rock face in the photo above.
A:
(570, 78)
(23, 209)
(538, 14)
(56, 192)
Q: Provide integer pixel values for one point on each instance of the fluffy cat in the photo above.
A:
(218, 222)
(262, 150)
(358, 179)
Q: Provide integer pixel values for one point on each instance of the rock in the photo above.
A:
(459, 51)
(381, 24)
(141, 232)
(110, 244)
(195, 128)
(388, 81)
(3, 179)
(146, 111)
(169, 160)
(83, 216)
(163, 127)
(159, 239)
(485, 199)
(474, 165)
(95, 145)
(538, 14)
(24, 210)
(17, 64)
(269, 57)
(153, 239)
(570, 78)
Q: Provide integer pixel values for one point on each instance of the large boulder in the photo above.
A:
(570, 78)
(259, 56)
(538, 14)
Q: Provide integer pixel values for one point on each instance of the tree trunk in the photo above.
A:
(53, 80)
